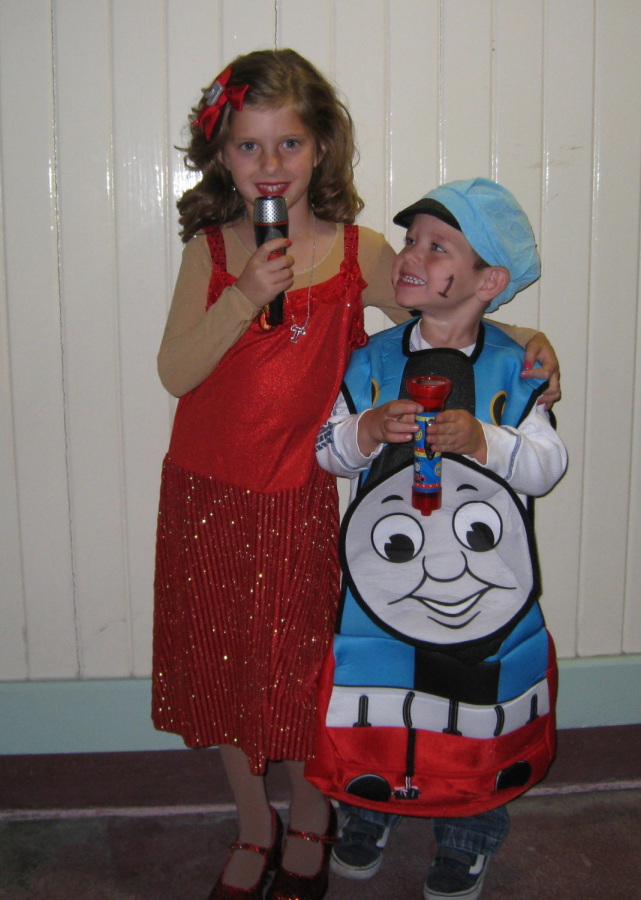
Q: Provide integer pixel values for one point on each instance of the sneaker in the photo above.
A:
(455, 874)
(359, 851)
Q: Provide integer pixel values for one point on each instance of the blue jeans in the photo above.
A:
(483, 833)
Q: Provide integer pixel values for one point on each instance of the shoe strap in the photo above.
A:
(311, 836)
(242, 845)
(318, 838)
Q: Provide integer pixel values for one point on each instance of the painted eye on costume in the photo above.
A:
(477, 526)
(398, 538)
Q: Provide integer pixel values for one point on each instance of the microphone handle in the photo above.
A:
(276, 310)
(266, 231)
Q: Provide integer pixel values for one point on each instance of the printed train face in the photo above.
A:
(455, 577)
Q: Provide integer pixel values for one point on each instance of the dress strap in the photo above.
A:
(216, 246)
(351, 269)
(220, 277)
(351, 241)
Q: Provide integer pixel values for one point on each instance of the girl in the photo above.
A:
(247, 575)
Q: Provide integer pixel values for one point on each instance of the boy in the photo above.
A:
(477, 662)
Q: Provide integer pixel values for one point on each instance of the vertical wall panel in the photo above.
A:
(362, 69)
(247, 27)
(517, 131)
(308, 27)
(414, 162)
(194, 57)
(612, 319)
(361, 72)
(466, 78)
(142, 212)
(13, 623)
(85, 180)
(632, 607)
(565, 250)
(29, 178)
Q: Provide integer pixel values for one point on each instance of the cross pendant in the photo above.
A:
(296, 330)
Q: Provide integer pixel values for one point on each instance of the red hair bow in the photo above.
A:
(215, 99)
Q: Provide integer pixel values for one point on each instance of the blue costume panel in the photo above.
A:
(438, 696)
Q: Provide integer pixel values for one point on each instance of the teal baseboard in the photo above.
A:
(114, 715)
(79, 717)
(603, 690)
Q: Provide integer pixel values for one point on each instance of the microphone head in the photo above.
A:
(270, 211)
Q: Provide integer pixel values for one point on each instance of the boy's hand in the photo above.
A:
(539, 349)
(391, 423)
(456, 431)
(263, 278)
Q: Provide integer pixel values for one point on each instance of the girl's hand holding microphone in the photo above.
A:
(265, 276)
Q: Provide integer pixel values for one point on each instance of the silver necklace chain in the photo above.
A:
(298, 330)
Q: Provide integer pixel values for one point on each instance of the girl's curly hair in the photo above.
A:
(275, 77)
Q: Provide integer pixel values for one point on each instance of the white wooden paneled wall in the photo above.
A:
(543, 95)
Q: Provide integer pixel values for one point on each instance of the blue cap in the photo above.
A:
(492, 221)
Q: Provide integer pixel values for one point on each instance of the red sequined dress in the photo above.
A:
(247, 572)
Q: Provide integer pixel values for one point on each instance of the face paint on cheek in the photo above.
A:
(450, 281)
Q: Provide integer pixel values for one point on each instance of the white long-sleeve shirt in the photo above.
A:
(531, 458)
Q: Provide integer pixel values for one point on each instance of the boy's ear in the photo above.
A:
(495, 280)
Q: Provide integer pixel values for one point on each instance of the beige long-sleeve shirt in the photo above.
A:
(196, 338)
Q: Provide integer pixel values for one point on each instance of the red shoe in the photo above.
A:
(272, 861)
(291, 886)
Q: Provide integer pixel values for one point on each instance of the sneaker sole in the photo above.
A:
(472, 893)
(356, 873)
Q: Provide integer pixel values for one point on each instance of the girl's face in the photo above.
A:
(269, 152)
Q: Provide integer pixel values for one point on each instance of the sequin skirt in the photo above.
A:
(246, 591)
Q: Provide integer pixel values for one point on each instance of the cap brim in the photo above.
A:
(428, 207)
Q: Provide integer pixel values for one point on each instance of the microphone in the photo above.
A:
(271, 221)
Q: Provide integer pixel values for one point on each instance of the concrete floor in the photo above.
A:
(563, 847)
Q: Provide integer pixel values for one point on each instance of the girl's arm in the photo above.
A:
(375, 257)
(522, 336)
(196, 339)
(537, 349)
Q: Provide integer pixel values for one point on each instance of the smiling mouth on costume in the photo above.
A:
(467, 604)
(444, 608)
(272, 190)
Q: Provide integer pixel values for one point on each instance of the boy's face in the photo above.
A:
(434, 272)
